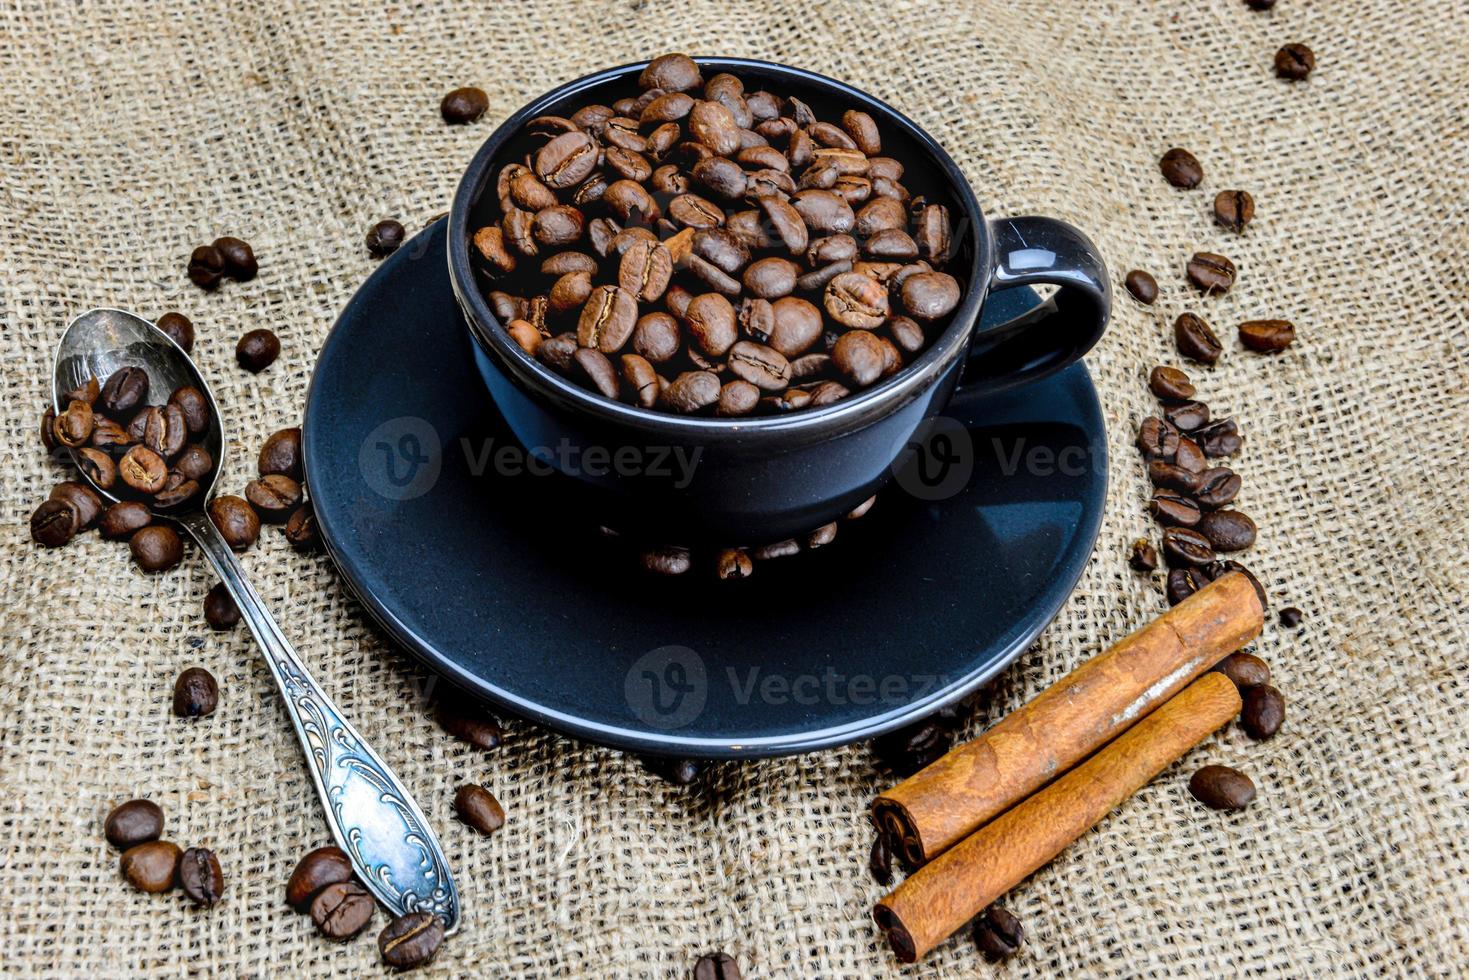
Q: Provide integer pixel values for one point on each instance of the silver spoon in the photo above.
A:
(370, 813)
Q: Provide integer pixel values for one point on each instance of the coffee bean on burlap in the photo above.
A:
(1142, 286)
(240, 263)
(411, 940)
(206, 267)
(179, 328)
(717, 966)
(342, 909)
(1294, 62)
(1234, 209)
(132, 823)
(257, 350)
(316, 869)
(1227, 530)
(384, 237)
(997, 933)
(195, 693)
(220, 611)
(1184, 546)
(1171, 384)
(1245, 669)
(1187, 415)
(301, 530)
(83, 498)
(281, 454)
(1181, 168)
(463, 105)
(1143, 557)
(1218, 486)
(478, 807)
(1184, 582)
(1173, 508)
(156, 548)
(235, 519)
(201, 877)
(1195, 339)
(1211, 272)
(1267, 336)
(679, 772)
(1290, 617)
(1158, 439)
(467, 720)
(1263, 711)
(1222, 788)
(151, 866)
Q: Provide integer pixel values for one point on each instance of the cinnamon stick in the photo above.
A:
(944, 894)
(935, 808)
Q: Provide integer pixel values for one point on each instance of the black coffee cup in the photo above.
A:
(756, 479)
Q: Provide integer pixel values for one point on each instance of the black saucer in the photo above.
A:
(498, 583)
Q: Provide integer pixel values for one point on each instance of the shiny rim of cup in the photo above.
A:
(857, 409)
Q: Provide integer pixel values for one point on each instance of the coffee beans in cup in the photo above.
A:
(687, 247)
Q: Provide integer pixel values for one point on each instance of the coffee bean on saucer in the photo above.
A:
(257, 350)
(281, 454)
(179, 328)
(156, 548)
(132, 823)
(195, 693)
(1142, 286)
(206, 266)
(301, 529)
(88, 505)
(274, 497)
(1211, 272)
(1290, 617)
(151, 866)
(220, 611)
(1267, 336)
(997, 933)
(125, 391)
(1227, 530)
(384, 237)
(342, 909)
(478, 807)
(1234, 209)
(1222, 788)
(666, 560)
(316, 869)
(1144, 557)
(463, 105)
(410, 940)
(1263, 712)
(1184, 546)
(1294, 62)
(201, 877)
(239, 258)
(1181, 168)
(717, 966)
(467, 720)
(235, 519)
(1245, 669)
(1195, 340)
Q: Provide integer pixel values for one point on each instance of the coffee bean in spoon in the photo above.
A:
(132, 823)
(195, 693)
(124, 392)
(194, 407)
(257, 350)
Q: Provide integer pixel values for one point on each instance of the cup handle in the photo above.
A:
(1031, 251)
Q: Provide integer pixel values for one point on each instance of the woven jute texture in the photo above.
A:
(132, 131)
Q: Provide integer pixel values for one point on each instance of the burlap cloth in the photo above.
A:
(129, 132)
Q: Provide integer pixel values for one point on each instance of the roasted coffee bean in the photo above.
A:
(1188, 416)
(467, 720)
(98, 467)
(1181, 168)
(1263, 712)
(317, 869)
(607, 320)
(176, 491)
(1211, 272)
(565, 263)
(1221, 788)
(592, 368)
(1245, 669)
(493, 245)
(125, 391)
(906, 333)
(656, 337)
(712, 324)
(220, 611)
(342, 909)
(201, 877)
(463, 105)
(239, 258)
(1171, 384)
(855, 300)
(776, 549)
(566, 160)
(930, 295)
(1183, 546)
(717, 246)
(206, 266)
(143, 469)
(1267, 336)
(478, 807)
(771, 278)
(235, 520)
(165, 430)
(1173, 477)
(733, 563)
(822, 536)
(1294, 62)
(257, 350)
(760, 365)
(1144, 558)
(1219, 438)
(672, 73)
(107, 434)
(1260, 4)
(48, 429)
(1158, 439)
(558, 226)
(860, 358)
(737, 398)
(880, 860)
(797, 326)
(666, 561)
(997, 933)
(1234, 209)
(1219, 486)
(179, 328)
(786, 222)
(194, 463)
(1290, 617)
(912, 747)
(274, 497)
(151, 866)
(640, 379)
(1195, 340)
(1184, 582)
(1190, 456)
(123, 518)
(83, 499)
(195, 693)
(88, 391)
(644, 273)
(1227, 530)
(717, 966)
(410, 940)
(1172, 508)
(281, 454)
(1142, 286)
(385, 237)
(301, 529)
(194, 407)
(132, 823)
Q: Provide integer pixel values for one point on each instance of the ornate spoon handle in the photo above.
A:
(368, 810)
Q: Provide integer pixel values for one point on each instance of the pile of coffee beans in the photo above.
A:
(153, 865)
(324, 886)
(698, 248)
